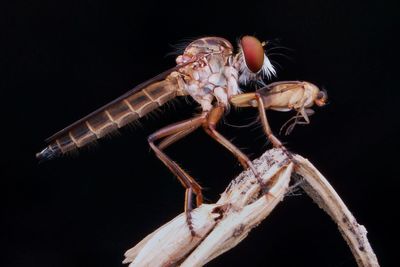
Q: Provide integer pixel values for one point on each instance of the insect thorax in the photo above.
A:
(210, 76)
(209, 45)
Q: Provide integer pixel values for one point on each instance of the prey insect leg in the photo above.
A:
(210, 127)
(302, 113)
(171, 134)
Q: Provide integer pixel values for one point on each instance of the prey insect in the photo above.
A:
(211, 73)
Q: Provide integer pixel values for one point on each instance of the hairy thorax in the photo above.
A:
(210, 80)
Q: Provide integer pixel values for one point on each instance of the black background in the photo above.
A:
(61, 60)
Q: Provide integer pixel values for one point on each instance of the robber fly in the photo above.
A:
(211, 73)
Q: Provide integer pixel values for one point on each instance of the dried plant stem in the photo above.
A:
(319, 189)
(221, 226)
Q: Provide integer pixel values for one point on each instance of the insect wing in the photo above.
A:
(131, 92)
(278, 87)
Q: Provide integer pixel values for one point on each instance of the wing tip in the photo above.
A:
(47, 153)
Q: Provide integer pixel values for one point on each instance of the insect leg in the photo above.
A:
(306, 112)
(175, 137)
(173, 133)
(267, 129)
(291, 126)
(301, 114)
(210, 127)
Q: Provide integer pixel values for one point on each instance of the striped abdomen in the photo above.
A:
(111, 117)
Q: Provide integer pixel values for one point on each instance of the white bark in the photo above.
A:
(221, 226)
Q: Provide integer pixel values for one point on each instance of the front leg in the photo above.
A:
(209, 126)
(267, 129)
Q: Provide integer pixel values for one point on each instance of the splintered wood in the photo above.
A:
(221, 226)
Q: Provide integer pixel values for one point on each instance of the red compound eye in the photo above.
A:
(253, 52)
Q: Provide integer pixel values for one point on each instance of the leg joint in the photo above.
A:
(151, 139)
(210, 126)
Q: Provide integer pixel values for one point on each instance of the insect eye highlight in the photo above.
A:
(253, 53)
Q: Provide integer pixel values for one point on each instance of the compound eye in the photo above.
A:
(321, 98)
(253, 53)
(322, 95)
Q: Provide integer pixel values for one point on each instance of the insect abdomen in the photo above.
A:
(109, 119)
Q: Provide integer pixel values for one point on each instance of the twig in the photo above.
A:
(221, 226)
(319, 189)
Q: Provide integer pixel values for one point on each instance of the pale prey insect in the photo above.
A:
(211, 73)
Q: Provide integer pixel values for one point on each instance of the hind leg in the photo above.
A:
(171, 134)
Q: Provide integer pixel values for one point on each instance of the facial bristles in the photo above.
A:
(268, 69)
(246, 76)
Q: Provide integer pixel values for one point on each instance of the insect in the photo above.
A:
(211, 73)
